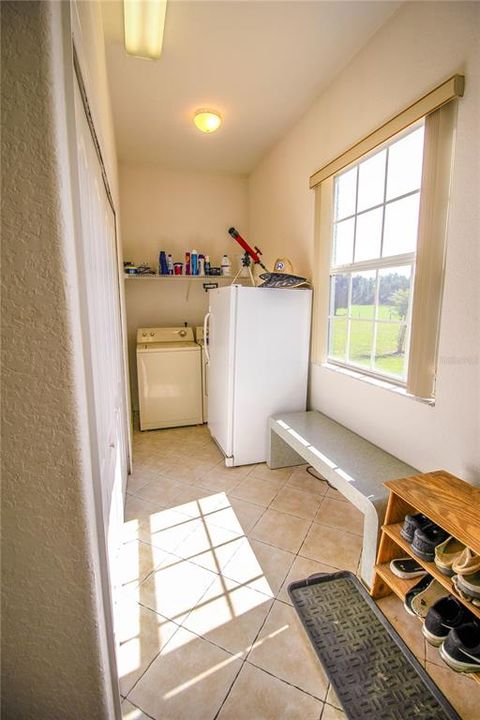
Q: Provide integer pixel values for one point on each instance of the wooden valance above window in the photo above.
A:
(444, 93)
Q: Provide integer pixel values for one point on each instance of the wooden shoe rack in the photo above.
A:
(447, 501)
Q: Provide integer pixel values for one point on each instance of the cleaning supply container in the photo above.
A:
(226, 266)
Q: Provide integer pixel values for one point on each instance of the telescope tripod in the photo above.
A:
(246, 263)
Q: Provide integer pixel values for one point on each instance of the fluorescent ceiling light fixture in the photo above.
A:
(144, 25)
(207, 120)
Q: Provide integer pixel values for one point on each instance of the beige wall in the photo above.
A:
(178, 211)
(422, 45)
(56, 661)
(175, 211)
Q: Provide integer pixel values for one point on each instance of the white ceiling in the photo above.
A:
(260, 64)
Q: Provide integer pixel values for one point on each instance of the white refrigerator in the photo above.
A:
(257, 355)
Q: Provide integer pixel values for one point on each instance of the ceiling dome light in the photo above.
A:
(207, 120)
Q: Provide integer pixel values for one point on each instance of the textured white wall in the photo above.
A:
(422, 45)
(55, 662)
(176, 212)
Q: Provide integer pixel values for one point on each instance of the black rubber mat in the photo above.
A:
(374, 674)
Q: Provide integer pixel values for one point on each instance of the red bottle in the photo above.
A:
(187, 263)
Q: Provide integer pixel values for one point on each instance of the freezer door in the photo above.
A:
(221, 349)
(271, 364)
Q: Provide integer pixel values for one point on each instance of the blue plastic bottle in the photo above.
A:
(162, 264)
(194, 262)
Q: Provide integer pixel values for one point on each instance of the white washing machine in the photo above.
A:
(200, 338)
(169, 374)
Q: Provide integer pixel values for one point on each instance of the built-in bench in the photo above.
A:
(351, 464)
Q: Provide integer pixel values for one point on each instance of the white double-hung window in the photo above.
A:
(374, 243)
(381, 212)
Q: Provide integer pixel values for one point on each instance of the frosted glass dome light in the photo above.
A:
(207, 121)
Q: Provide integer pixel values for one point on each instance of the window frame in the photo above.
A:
(374, 264)
(439, 110)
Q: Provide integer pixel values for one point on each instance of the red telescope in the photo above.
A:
(254, 253)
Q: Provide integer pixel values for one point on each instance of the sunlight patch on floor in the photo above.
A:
(178, 567)
(201, 676)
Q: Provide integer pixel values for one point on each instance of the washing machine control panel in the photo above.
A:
(156, 335)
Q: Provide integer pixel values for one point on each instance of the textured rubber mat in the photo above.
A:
(374, 674)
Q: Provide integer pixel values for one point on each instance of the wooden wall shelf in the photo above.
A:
(446, 500)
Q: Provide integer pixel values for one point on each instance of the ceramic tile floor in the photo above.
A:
(205, 625)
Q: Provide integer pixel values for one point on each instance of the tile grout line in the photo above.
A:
(229, 690)
(179, 626)
(244, 660)
(259, 629)
(220, 574)
(141, 709)
(169, 619)
(201, 637)
(276, 598)
(290, 684)
(276, 546)
(296, 554)
(153, 659)
(268, 506)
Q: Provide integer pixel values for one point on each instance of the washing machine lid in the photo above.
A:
(167, 346)
(164, 335)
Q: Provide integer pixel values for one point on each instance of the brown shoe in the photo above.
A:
(447, 553)
(467, 564)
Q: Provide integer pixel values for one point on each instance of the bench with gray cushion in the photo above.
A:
(352, 465)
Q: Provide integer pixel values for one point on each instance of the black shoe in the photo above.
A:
(447, 614)
(407, 568)
(426, 539)
(412, 523)
(461, 649)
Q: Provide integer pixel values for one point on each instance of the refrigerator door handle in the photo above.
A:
(205, 335)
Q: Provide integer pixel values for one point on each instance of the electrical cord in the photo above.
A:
(314, 473)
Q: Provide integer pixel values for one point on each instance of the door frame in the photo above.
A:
(126, 419)
(76, 51)
(73, 73)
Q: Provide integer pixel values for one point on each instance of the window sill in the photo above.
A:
(376, 382)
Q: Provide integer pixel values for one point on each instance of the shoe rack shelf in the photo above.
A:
(401, 587)
(447, 501)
